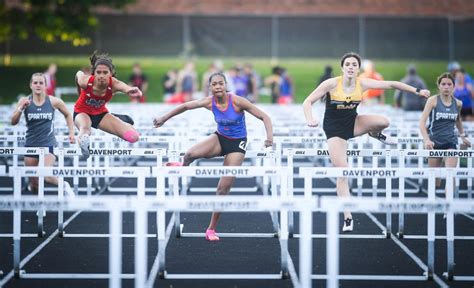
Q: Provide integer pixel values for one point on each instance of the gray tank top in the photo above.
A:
(442, 122)
(40, 124)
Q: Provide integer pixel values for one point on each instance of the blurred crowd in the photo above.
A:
(182, 85)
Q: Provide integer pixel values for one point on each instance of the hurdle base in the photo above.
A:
(448, 276)
(226, 235)
(400, 235)
(428, 275)
(18, 273)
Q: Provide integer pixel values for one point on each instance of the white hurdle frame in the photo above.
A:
(120, 204)
(240, 171)
(22, 151)
(430, 174)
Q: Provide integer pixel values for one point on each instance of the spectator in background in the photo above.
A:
(139, 80)
(286, 88)
(464, 92)
(409, 101)
(50, 75)
(187, 82)
(252, 83)
(454, 67)
(327, 74)
(274, 82)
(372, 96)
(169, 84)
(240, 81)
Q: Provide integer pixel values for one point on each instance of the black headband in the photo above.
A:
(104, 62)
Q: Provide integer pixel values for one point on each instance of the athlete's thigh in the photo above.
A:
(83, 120)
(114, 125)
(208, 148)
(435, 162)
(231, 159)
(366, 123)
(337, 148)
(451, 162)
(49, 160)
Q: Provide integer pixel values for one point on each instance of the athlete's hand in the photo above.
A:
(428, 144)
(134, 92)
(268, 143)
(466, 144)
(312, 123)
(424, 93)
(23, 104)
(158, 122)
(72, 138)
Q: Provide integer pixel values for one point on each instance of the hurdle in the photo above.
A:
(333, 206)
(403, 154)
(140, 206)
(17, 173)
(21, 151)
(309, 173)
(237, 171)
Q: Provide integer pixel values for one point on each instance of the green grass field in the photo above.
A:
(14, 79)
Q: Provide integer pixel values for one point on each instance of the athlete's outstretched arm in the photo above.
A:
(430, 104)
(317, 94)
(119, 86)
(244, 104)
(203, 102)
(375, 84)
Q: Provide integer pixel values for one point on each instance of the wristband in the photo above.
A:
(20, 110)
(418, 91)
(462, 135)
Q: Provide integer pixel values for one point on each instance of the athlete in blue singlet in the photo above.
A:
(230, 139)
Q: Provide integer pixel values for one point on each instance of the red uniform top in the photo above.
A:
(90, 103)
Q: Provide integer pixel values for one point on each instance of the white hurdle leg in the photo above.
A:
(61, 194)
(306, 253)
(450, 226)
(388, 195)
(401, 195)
(17, 224)
(41, 194)
(115, 248)
(141, 247)
(332, 244)
(431, 225)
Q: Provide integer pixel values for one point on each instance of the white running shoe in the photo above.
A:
(68, 190)
(385, 139)
(348, 225)
(84, 144)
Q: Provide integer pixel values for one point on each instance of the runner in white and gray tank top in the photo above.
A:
(40, 124)
(38, 109)
(442, 123)
(443, 113)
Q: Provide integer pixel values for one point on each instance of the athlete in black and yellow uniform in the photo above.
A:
(341, 121)
(341, 111)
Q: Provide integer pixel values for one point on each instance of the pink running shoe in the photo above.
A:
(211, 235)
(173, 164)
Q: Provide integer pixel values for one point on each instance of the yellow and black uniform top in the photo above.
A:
(341, 110)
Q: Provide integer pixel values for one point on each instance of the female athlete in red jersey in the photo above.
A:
(94, 92)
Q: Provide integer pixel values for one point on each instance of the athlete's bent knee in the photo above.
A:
(131, 136)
